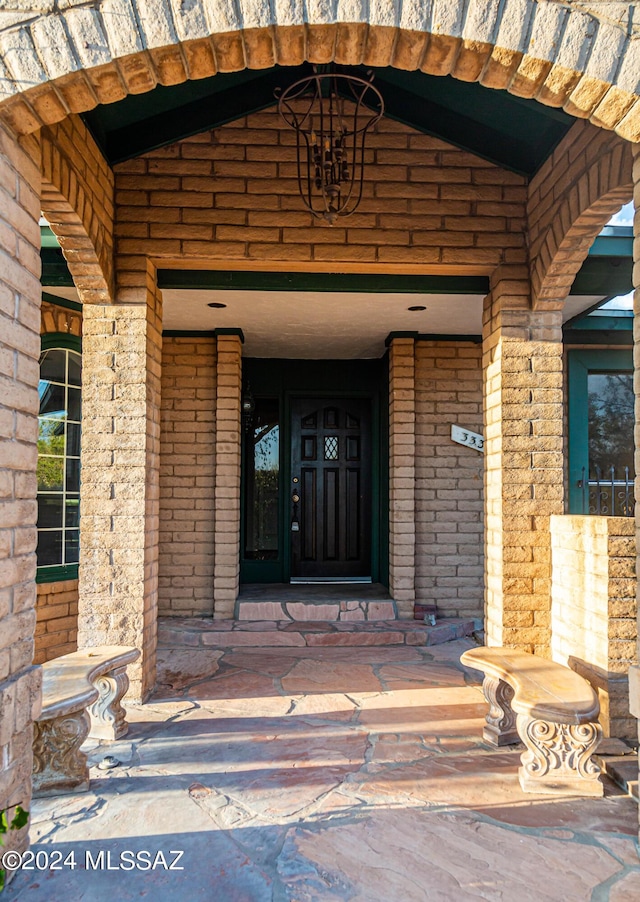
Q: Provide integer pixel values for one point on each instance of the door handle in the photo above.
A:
(295, 497)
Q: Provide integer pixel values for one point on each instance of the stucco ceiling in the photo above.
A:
(324, 325)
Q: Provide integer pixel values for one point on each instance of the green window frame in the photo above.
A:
(580, 363)
(66, 491)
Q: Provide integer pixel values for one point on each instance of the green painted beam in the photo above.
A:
(607, 276)
(622, 321)
(300, 281)
(619, 244)
(55, 272)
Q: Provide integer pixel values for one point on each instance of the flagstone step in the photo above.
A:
(362, 610)
(203, 632)
(340, 602)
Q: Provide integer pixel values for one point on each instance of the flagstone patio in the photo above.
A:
(325, 773)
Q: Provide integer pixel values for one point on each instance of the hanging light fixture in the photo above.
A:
(331, 113)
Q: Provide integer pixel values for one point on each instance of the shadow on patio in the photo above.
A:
(324, 774)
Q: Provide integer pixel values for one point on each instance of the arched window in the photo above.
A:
(59, 456)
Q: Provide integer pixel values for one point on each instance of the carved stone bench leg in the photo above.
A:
(500, 727)
(558, 757)
(58, 764)
(108, 717)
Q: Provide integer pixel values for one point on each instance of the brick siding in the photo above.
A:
(230, 196)
(594, 609)
(57, 623)
(187, 472)
(449, 477)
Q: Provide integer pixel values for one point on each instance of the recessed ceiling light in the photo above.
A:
(417, 307)
(216, 305)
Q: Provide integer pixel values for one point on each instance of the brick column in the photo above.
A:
(634, 672)
(19, 372)
(226, 566)
(522, 365)
(402, 473)
(118, 579)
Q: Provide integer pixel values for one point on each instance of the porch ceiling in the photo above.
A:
(513, 132)
(325, 325)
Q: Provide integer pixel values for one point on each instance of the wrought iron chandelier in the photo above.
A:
(331, 113)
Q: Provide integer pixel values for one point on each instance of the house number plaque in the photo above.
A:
(468, 438)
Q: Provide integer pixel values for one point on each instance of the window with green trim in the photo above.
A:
(59, 431)
(601, 425)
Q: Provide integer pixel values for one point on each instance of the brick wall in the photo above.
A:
(19, 371)
(523, 404)
(57, 624)
(59, 319)
(402, 473)
(594, 608)
(449, 493)
(187, 463)
(231, 195)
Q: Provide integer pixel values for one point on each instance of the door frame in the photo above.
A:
(320, 378)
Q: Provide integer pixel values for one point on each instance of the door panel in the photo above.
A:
(331, 472)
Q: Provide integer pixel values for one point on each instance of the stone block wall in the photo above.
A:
(19, 372)
(594, 609)
(57, 620)
(119, 501)
(187, 474)
(449, 479)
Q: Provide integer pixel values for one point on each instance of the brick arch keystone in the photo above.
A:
(72, 56)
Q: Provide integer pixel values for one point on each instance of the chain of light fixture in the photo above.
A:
(331, 114)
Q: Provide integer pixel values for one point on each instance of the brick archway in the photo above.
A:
(586, 180)
(77, 200)
(68, 61)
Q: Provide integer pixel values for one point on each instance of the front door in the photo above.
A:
(330, 489)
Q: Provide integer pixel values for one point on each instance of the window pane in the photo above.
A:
(49, 511)
(73, 439)
(50, 474)
(611, 423)
(72, 512)
(73, 411)
(75, 368)
(262, 477)
(73, 475)
(58, 457)
(52, 399)
(49, 548)
(52, 365)
(50, 436)
(71, 546)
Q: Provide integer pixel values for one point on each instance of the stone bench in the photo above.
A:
(548, 707)
(81, 696)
